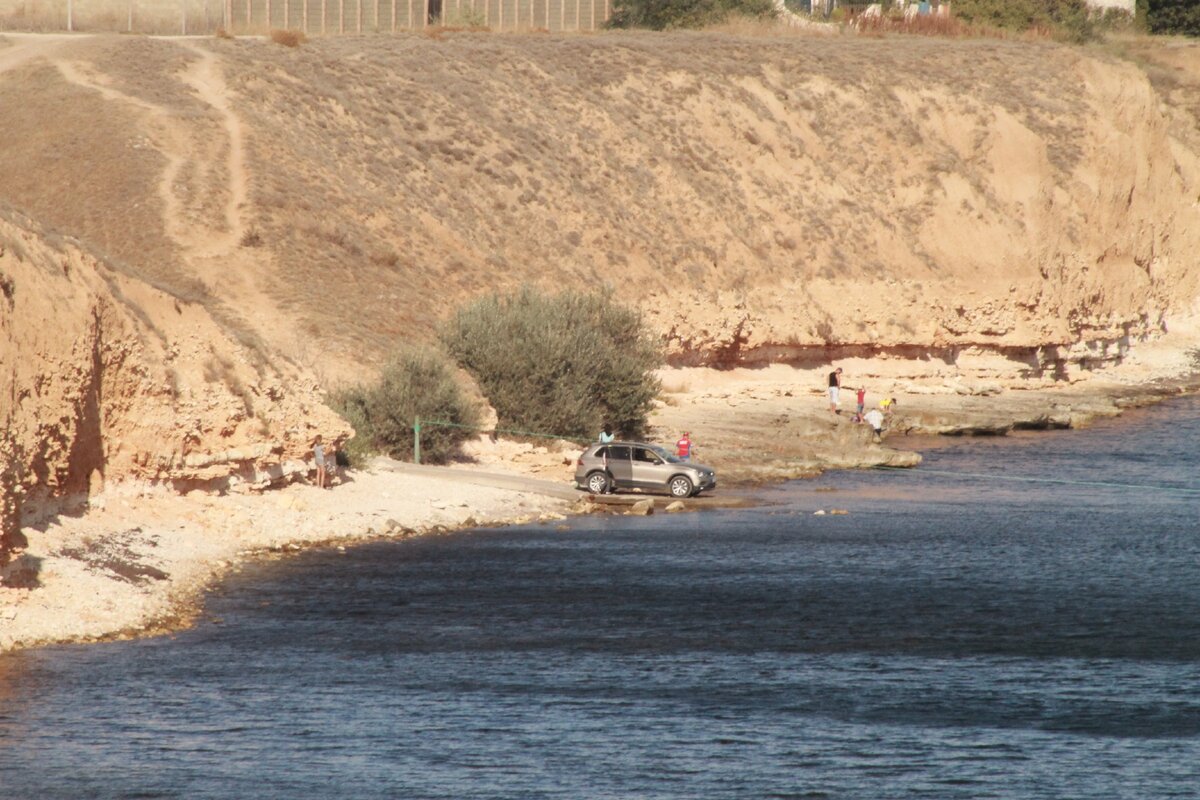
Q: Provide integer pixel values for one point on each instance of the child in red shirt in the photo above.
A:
(683, 448)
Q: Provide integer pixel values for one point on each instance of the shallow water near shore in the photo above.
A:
(962, 632)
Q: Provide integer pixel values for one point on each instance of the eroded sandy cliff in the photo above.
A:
(104, 378)
(1007, 212)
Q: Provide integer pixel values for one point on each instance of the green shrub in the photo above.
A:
(1068, 19)
(662, 14)
(560, 364)
(464, 18)
(415, 383)
(1172, 16)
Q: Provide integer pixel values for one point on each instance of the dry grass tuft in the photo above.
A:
(756, 27)
(949, 27)
(223, 34)
(921, 25)
(437, 32)
(288, 38)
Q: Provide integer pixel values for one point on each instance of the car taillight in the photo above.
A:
(579, 463)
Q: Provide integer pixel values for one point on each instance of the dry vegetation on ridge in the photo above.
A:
(760, 197)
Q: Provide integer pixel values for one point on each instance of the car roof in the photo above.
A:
(632, 444)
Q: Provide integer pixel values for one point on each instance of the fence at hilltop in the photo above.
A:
(313, 17)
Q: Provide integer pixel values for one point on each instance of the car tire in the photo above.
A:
(680, 486)
(597, 483)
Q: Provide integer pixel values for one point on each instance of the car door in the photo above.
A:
(620, 466)
(649, 470)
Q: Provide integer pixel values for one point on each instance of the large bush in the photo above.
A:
(1173, 16)
(662, 14)
(415, 383)
(1070, 19)
(560, 364)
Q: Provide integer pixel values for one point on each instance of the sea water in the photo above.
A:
(1019, 618)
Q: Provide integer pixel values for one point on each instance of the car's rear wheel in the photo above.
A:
(597, 483)
(680, 486)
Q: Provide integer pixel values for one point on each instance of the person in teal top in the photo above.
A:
(606, 435)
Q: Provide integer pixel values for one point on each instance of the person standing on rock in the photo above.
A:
(331, 462)
(321, 458)
(861, 398)
(835, 385)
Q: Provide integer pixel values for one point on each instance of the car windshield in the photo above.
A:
(664, 454)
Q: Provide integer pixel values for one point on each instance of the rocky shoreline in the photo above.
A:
(138, 562)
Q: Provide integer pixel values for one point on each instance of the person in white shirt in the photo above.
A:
(875, 418)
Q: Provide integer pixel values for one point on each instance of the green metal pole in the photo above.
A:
(417, 441)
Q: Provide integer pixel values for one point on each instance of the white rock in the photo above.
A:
(642, 508)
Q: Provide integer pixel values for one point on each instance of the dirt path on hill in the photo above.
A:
(205, 169)
(167, 135)
(176, 141)
(25, 48)
(208, 81)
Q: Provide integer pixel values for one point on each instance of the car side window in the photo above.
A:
(618, 453)
(647, 456)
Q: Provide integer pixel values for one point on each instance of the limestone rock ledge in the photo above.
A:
(108, 381)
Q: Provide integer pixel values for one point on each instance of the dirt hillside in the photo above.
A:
(1011, 210)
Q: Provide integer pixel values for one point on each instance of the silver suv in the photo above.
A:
(637, 465)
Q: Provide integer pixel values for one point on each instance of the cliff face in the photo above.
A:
(763, 199)
(104, 379)
(1053, 233)
(1019, 208)
(1000, 209)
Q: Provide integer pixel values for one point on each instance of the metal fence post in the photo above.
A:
(417, 441)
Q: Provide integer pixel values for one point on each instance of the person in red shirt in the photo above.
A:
(861, 397)
(683, 448)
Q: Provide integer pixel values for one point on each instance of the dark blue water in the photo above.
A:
(953, 636)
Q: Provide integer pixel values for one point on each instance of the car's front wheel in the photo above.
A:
(680, 486)
(597, 483)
